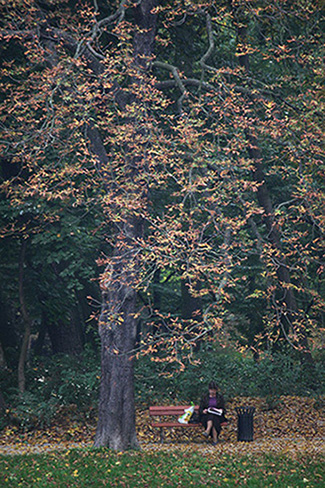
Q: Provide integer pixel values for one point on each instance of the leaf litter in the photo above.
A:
(290, 426)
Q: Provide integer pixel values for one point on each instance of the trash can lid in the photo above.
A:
(245, 410)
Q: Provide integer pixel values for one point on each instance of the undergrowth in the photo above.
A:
(65, 381)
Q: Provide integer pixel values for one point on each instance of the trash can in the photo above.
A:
(245, 423)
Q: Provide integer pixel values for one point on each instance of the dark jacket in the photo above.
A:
(204, 403)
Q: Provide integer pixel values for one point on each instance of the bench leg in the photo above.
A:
(162, 437)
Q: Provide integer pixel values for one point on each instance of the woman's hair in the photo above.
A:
(213, 385)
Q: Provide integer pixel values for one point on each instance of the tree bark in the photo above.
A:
(26, 321)
(191, 307)
(117, 329)
(8, 336)
(65, 336)
(3, 363)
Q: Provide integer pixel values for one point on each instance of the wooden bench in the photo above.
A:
(174, 412)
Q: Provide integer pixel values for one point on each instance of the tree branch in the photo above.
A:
(186, 82)
(178, 81)
(210, 49)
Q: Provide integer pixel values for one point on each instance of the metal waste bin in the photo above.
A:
(245, 423)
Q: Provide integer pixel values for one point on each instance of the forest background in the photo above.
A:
(161, 179)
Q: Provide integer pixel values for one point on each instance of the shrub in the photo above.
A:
(52, 383)
(71, 380)
(236, 375)
(29, 411)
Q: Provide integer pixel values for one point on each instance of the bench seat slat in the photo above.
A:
(174, 424)
(177, 424)
(170, 410)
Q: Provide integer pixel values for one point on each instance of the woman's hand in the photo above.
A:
(205, 410)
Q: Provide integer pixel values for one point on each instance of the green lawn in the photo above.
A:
(96, 468)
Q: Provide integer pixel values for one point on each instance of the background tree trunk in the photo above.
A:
(65, 336)
(26, 321)
(191, 307)
(8, 335)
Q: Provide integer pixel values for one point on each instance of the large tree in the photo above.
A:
(118, 320)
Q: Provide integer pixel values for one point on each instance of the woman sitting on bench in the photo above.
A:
(211, 412)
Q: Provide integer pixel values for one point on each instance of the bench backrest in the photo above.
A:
(170, 410)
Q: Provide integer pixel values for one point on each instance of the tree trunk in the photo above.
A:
(26, 321)
(8, 336)
(117, 329)
(191, 307)
(2, 403)
(3, 363)
(117, 324)
(65, 336)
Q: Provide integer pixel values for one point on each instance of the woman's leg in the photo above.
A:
(216, 428)
(208, 427)
(215, 435)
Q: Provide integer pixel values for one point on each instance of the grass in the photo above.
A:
(104, 468)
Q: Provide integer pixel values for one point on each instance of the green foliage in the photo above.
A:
(51, 384)
(70, 380)
(93, 468)
(236, 375)
(30, 410)
(64, 381)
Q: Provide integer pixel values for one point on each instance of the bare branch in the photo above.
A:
(178, 80)
(119, 14)
(180, 22)
(186, 82)
(96, 54)
(208, 53)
